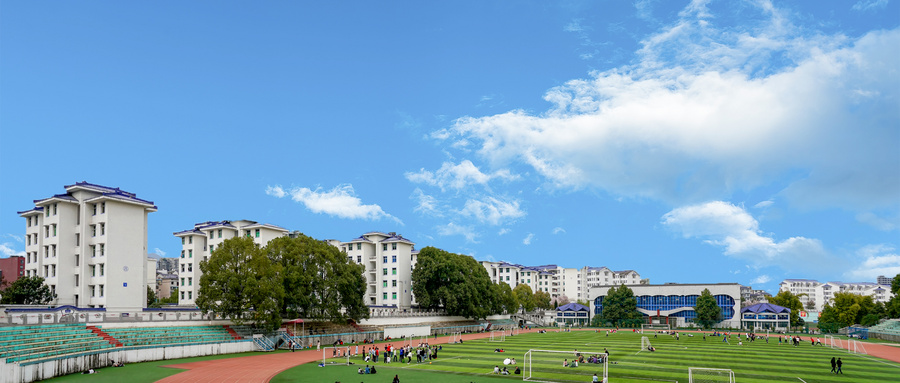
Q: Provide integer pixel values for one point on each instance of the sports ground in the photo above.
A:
(474, 360)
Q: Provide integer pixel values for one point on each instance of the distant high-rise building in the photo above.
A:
(820, 293)
(389, 260)
(12, 268)
(882, 280)
(559, 281)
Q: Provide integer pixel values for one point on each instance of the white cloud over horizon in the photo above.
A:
(722, 224)
(8, 249)
(159, 252)
(341, 201)
(491, 210)
(762, 279)
(704, 112)
(457, 176)
(466, 232)
(876, 260)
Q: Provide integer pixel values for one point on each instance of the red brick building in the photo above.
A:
(12, 268)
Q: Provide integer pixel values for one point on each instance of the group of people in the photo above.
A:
(836, 366)
(367, 370)
(424, 352)
(505, 371)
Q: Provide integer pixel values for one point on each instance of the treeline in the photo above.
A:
(847, 309)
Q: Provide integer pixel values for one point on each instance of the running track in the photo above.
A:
(262, 368)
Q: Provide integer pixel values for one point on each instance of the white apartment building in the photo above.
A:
(389, 260)
(198, 243)
(90, 246)
(821, 293)
(558, 281)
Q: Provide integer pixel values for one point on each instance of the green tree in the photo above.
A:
(542, 300)
(454, 282)
(525, 297)
(620, 306)
(787, 299)
(708, 312)
(509, 302)
(239, 281)
(151, 297)
(28, 291)
(318, 280)
(895, 284)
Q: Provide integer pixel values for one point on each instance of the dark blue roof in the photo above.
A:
(764, 308)
(30, 210)
(573, 307)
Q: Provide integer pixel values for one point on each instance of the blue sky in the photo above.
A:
(704, 141)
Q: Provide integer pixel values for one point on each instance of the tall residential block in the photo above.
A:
(199, 242)
(389, 260)
(90, 246)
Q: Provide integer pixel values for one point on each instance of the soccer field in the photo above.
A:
(751, 362)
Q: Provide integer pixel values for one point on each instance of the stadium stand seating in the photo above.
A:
(27, 343)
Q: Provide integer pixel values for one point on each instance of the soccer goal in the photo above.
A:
(645, 344)
(544, 366)
(833, 342)
(329, 357)
(710, 375)
(498, 336)
(654, 327)
(856, 347)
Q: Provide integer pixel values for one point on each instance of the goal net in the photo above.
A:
(856, 347)
(549, 366)
(335, 356)
(710, 375)
(654, 327)
(833, 342)
(645, 344)
(455, 337)
(498, 336)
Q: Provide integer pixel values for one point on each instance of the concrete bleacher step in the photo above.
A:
(112, 340)
(233, 333)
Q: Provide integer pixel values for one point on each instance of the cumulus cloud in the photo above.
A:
(876, 260)
(159, 251)
(8, 249)
(341, 201)
(557, 230)
(457, 176)
(426, 204)
(762, 279)
(704, 112)
(728, 226)
(275, 191)
(491, 210)
(527, 240)
(467, 232)
(504, 231)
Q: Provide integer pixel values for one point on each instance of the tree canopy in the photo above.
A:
(525, 297)
(509, 302)
(542, 300)
(457, 283)
(847, 309)
(28, 291)
(620, 305)
(708, 312)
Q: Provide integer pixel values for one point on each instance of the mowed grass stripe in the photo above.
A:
(751, 362)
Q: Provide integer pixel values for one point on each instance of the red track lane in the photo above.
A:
(262, 368)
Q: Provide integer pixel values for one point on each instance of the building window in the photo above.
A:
(384, 270)
(182, 270)
(93, 251)
(384, 247)
(182, 279)
(394, 271)
(47, 212)
(102, 269)
(211, 235)
(93, 271)
(394, 295)
(77, 259)
(102, 207)
(220, 233)
(182, 240)
(247, 232)
(384, 283)
(54, 229)
(190, 267)
(394, 258)
(211, 248)
(190, 294)
(190, 240)
(93, 230)
(102, 229)
(384, 296)
(182, 253)
(358, 259)
(394, 246)
(182, 295)
(47, 231)
(76, 280)
(94, 208)
(53, 250)
(384, 259)
(102, 249)
(101, 290)
(257, 233)
(53, 271)
(93, 290)
(394, 283)
(190, 281)
(191, 253)
(77, 239)
(350, 259)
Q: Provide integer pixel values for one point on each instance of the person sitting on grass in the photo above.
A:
(496, 370)
(504, 372)
(518, 371)
(499, 350)
(373, 370)
(651, 348)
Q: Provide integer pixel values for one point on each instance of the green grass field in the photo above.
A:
(752, 362)
(474, 360)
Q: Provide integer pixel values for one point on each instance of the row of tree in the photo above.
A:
(461, 286)
(847, 309)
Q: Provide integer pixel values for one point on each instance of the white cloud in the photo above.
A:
(722, 224)
(491, 210)
(159, 251)
(457, 176)
(468, 232)
(276, 191)
(705, 112)
(426, 204)
(504, 231)
(877, 222)
(341, 202)
(762, 279)
(764, 204)
(557, 230)
(17, 238)
(866, 5)
(7, 249)
(876, 260)
(527, 240)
